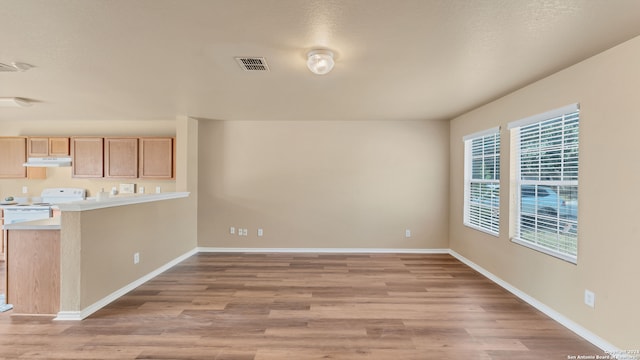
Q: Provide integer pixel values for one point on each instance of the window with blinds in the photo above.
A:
(547, 182)
(482, 181)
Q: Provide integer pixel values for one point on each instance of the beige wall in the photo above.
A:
(106, 240)
(88, 128)
(323, 184)
(61, 177)
(607, 88)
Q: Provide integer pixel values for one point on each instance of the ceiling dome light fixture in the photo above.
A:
(320, 61)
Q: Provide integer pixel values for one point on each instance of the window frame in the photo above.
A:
(469, 180)
(564, 113)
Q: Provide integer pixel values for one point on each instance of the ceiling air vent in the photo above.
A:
(253, 63)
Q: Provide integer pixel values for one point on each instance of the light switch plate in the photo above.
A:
(127, 188)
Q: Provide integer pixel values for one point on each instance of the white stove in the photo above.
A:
(42, 210)
(62, 195)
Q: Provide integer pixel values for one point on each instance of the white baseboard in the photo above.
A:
(79, 315)
(68, 316)
(561, 319)
(324, 250)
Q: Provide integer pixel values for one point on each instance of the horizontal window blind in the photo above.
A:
(544, 116)
(547, 184)
(482, 133)
(482, 181)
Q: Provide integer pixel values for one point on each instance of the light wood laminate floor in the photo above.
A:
(304, 306)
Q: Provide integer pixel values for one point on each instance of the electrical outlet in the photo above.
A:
(407, 233)
(141, 190)
(25, 189)
(158, 189)
(127, 188)
(136, 258)
(232, 230)
(589, 298)
(260, 232)
(245, 232)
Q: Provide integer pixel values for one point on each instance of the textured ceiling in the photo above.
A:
(395, 59)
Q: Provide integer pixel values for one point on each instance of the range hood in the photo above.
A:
(48, 162)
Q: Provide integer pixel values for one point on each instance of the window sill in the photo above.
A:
(565, 257)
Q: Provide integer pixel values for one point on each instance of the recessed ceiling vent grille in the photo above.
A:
(7, 68)
(252, 63)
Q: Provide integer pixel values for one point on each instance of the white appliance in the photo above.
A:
(48, 161)
(42, 210)
(62, 195)
(21, 213)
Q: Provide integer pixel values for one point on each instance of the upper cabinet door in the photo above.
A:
(58, 146)
(13, 153)
(47, 146)
(157, 158)
(121, 158)
(38, 146)
(87, 157)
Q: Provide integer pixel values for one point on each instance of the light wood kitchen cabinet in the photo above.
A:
(59, 146)
(87, 157)
(157, 158)
(38, 146)
(121, 158)
(13, 153)
(33, 271)
(36, 173)
(47, 146)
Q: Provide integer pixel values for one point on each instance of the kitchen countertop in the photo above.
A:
(92, 204)
(119, 200)
(44, 224)
(14, 206)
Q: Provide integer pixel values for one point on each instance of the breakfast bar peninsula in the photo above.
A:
(73, 264)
